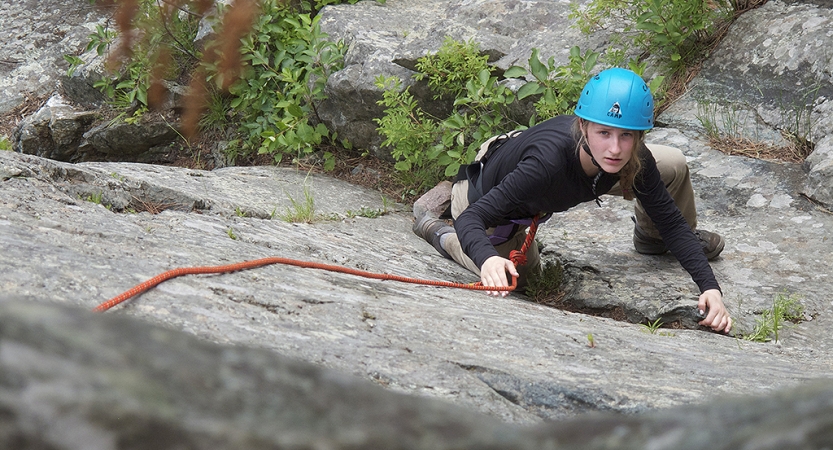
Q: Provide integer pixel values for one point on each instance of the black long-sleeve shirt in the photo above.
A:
(539, 171)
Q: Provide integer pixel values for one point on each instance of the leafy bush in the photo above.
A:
(289, 61)
(147, 58)
(480, 114)
(672, 30)
(559, 87)
(410, 132)
(458, 71)
(451, 67)
(428, 148)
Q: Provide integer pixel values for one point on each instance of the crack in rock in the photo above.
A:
(550, 400)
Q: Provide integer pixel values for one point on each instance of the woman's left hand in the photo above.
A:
(718, 317)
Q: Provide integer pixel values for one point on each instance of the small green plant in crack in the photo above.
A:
(591, 341)
(800, 121)
(725, 126)
(97, 198)
(785, 308)
(5, 145)
(366, 212)
(545, 286)
(301, 211)
(231, 234)
(719, 122)
(651, 327)
(239, 212)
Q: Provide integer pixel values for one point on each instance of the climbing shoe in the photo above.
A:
(645, 244)
(431, 228)
(712, 243)
(435, 202)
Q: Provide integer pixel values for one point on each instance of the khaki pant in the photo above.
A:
(672, 168)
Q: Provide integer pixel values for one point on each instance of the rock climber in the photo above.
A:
(571, 159)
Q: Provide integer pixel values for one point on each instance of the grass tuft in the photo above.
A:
(652, 327)
(300, 211)
(785, 308)
(545, 287)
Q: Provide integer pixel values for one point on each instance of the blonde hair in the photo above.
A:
(631, 169)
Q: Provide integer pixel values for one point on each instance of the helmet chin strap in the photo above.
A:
(586, 146)
(592, 159)
(598, 175)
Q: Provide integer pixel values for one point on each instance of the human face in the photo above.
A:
(611, 147)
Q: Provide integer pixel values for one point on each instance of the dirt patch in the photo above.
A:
(794, 153)
(9, 120)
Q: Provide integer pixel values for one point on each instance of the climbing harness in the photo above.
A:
(517, 258)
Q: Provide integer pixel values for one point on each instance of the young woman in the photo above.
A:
(568, 160)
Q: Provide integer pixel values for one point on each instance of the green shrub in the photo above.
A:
(559, 87)
(478, 115)
(458, 71)
(785, 308)
(289, 61)
(410, 132)
(427, 148)
(287, 58)
(673, 30)
(150, 56)
(448, 70)
(437, 147)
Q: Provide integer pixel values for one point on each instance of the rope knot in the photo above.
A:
(517, 257)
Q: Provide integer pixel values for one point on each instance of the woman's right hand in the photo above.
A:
(493, 273)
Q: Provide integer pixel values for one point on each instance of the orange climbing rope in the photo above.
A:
(517, 257)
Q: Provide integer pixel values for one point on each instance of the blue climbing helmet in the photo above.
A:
(617, 98)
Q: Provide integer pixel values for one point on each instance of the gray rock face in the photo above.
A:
(79, 88)
(820, 165)
(35, 36)
(509, 358)
(388, 39)
(125, 141)
(124, 384)
(64, 132)
(55, 131)
(770, 76)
